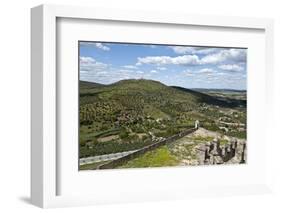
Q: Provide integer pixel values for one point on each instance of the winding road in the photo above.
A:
(100, 158)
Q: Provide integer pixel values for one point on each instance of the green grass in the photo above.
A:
(103, 148)
(237, 134)
(223, 142)
(88, 136)
(155, 113)
(202, 139)
(156, 158)
(187, 150)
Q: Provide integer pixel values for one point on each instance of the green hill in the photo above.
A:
(88, 85)
(130, 111)
(137, 98)
(145, 97)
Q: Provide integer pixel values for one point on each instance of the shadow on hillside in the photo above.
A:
(211, 100)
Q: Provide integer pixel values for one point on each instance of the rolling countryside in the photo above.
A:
(130, 115)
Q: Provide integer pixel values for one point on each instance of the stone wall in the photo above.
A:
(122, 160)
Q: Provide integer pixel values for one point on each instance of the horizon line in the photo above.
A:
(165, 84)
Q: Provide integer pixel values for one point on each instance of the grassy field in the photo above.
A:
(156, 158)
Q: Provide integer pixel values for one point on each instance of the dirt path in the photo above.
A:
(207, 133)
(108, 138)
(108, 157)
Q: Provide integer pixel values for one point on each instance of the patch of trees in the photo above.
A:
(112, 147)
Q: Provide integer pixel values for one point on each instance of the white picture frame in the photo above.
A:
(44, 154)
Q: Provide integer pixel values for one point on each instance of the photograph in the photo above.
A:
(161, 105)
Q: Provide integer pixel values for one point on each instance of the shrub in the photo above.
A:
(123, 134)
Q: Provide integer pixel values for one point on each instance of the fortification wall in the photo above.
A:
(122, 160)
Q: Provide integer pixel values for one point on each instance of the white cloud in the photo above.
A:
(222, 56)
(188, 73)
(182, 49)
(94, 71)
(88, 64)
(161, 68)
(231, 67)
(213, 78)
(206, 71)
(213, 65)
(102, 73)
(163, 60)
(221, 73)
(103, 47)
(233, 55)
(206, 50)
(85, 60)
(202, 74)
(193, 50)
(130, 67)
(125, 71)
(97, 45)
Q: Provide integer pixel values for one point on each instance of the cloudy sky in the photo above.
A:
(185, 66)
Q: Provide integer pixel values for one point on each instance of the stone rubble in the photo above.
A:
(211, 153)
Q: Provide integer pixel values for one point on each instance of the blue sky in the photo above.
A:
(185, 66)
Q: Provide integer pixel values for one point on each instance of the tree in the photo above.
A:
(123, 134)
